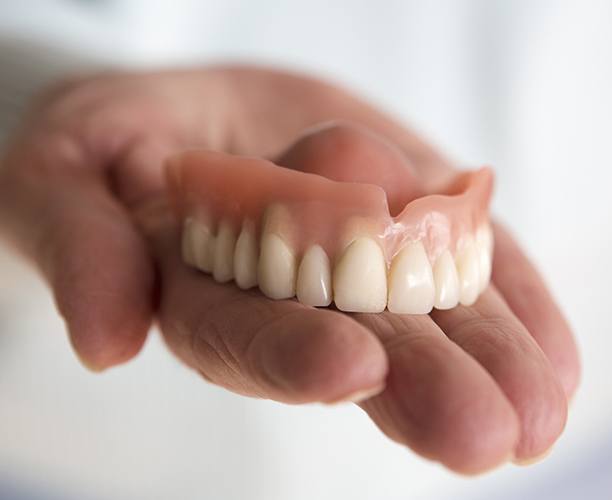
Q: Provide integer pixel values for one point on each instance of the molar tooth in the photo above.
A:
(276, 269)
(447, 282)
(314, 278)
(245, 257)
(196, 244)
(360, 278)
(223, 266)
(411, 282)
(467, 269)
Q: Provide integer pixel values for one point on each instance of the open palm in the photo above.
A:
(82, 193)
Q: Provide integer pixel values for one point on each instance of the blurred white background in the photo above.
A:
(524, 86)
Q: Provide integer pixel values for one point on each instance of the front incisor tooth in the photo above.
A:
(360, 278)
(223, 266)
(276, 269)
(196, 244)
(245, 258)
(446, 281)
(469, 273)
(411, 282)
(314, 278)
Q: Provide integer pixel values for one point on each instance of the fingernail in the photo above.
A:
(524, 462)
(89, 366)
(359, 396)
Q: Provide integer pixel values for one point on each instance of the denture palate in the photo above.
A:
(294, 233)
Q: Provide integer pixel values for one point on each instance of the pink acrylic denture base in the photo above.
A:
(316, 210)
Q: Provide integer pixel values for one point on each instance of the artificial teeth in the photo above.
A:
(469, 273)
(360, 278)
(484, 242)
(223, 265)
(446, 282)
(196, 244)
(314, 278)
(411, 282)
(245, 257)
(276, 270)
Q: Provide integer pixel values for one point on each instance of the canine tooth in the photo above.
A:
(245, 258)
(314, 278)
(360, 278)
(411, 283)
(276, 269)
(467, 269)
(223, 266)
(446, 281)
(196, 243)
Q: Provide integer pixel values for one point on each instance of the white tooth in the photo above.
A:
(245, 258)
(467, 269)
(223, 268)
(277, 268)
(484, 236)
(360, 278)
(447, 282)
(411, 283)
(207, 257)
(196, 243)
(484, 267)
(484, 242)
(314, 278)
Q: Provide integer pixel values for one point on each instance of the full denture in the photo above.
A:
(296, 233)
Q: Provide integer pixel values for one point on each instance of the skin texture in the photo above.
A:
(82, 195)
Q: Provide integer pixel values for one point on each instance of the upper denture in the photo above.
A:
(289, 212)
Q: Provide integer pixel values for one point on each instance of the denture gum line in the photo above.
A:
(436, 253)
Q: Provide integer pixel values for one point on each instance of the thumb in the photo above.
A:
(349, 152)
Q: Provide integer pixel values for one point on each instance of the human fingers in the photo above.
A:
(256, 346)
(528, 297)
(490, 333)
(438, 400)
(56, 208)
(345, 151)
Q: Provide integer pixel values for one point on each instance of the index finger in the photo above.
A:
(255, 346)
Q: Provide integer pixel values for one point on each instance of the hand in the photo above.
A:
(82, 194)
